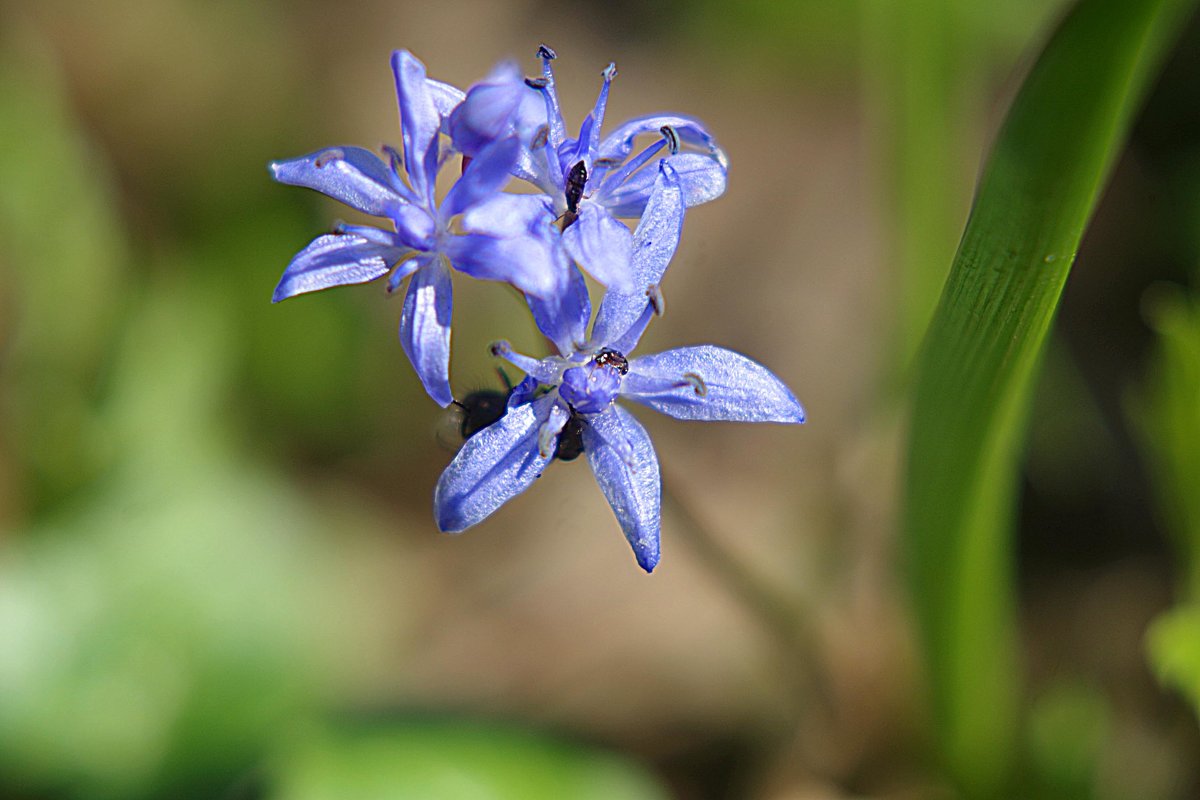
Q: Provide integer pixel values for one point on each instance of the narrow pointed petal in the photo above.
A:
(493, 466)
(626, 467)
(654, 244)
(351, 175)
(701, 177)
(336, 260)
(419, 119)
(563, 316)
(710, 383)
(526, 262)
(602, 246)
(486, 175)
(425, 329)
(619, 144)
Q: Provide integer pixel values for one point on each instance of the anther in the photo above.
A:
(657, 301)
(610, 71)
(537, 83)
(323, 159)
(500, 349)
(672, 138)
(606, 163)
(545, 53)
(394, 156)
(697, 383)
(540, 138)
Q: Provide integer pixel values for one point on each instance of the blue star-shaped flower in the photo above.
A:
(588, 182)
(566, 403)
(476, 228)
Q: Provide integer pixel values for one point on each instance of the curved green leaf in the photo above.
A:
(975, 373)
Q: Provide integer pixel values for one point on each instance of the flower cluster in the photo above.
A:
(510, 126)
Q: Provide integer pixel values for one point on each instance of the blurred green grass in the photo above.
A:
(190, 479)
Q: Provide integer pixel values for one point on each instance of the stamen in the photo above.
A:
(558, 129)
(537, 83)
(547, 439)
(323, 158)
(620, 176)
(398, 274)
(657, 301)
(397, 161)
(697, 383)
(544, 371)
(671, 136)
(593, 138)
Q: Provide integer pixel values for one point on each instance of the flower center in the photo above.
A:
(591, 388)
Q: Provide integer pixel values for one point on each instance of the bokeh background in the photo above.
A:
(219, 572)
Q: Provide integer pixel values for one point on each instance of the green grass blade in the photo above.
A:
(975, 373)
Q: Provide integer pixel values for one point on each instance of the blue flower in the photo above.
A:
(475, 229)
(566, 403)
(588, 182)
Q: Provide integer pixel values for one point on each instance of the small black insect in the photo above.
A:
(611, 358)
(576, 180)
(570, 439)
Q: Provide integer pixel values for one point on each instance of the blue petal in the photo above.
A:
(563, 317)
(336, 260)
(415, 227)
(425, 329)
(351, 175)
(446, 98)
(701, 177)
(626, 467)
(419, 121)
(654, 243)
(602, 246)
(523, 392)
(710, 383)
(526, 262)
(483, 178)
(495, 465)
(506, 214)
(500, 105)
(619, 144)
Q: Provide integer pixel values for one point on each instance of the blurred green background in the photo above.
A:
(219, 572)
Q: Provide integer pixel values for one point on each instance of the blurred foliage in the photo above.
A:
(1068, 728)
(62, 248)
(1170, 416)
(1169, 412)
(447, 760)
